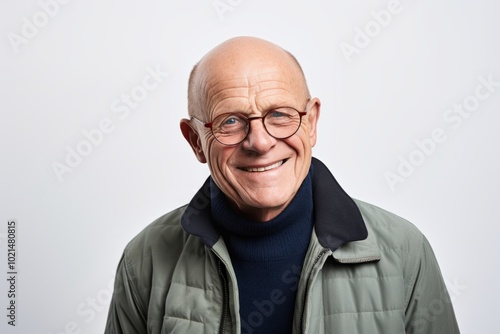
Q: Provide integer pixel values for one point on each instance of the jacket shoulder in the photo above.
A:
(150, 258)
(405, 250)
(163, 236)
(144, 275)
(401, 245)
(387, 229)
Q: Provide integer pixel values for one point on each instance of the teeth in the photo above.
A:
(263, 169)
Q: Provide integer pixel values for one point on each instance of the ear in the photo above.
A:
(312, 119)
(193, 139)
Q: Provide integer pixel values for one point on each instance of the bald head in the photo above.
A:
(234, 58)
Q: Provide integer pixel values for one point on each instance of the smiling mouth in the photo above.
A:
(263, 169)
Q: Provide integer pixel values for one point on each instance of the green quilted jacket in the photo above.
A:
(366, 271)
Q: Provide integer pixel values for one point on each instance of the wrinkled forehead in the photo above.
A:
(250, 77)
(251, 91)
(249, 82)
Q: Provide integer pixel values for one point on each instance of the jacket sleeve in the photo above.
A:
(429, 308)
(126, 313)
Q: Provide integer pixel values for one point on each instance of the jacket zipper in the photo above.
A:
(225, 300)
(306, 293)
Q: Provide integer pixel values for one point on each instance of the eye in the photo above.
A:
(231, 120)
(279, 117)
(279, 113)
(230, 123)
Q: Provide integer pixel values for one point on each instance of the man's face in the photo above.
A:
(262, 174)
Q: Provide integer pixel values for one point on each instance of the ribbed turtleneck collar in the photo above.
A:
(263, 241)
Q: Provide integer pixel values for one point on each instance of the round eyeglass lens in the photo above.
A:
(232, 129)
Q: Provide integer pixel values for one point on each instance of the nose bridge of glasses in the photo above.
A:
(255, 117)
(262, 118)
(249, 119)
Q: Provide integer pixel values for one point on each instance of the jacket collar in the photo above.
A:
(338, 220)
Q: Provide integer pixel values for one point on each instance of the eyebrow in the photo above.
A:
(263, 111)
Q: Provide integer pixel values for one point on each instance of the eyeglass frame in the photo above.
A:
(248, 119)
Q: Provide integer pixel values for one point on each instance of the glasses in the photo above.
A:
(232, 128)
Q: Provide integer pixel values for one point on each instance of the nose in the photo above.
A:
(258, 139)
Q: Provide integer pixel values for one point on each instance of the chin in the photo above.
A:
(270, 201)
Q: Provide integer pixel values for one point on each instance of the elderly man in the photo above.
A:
(271, 243)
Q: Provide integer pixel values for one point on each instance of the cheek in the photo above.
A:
(302, 148)
(220, 161)
(300, 143)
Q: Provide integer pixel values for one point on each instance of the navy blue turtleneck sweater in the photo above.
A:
(267, 258)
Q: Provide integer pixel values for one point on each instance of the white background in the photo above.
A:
(63, 80)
